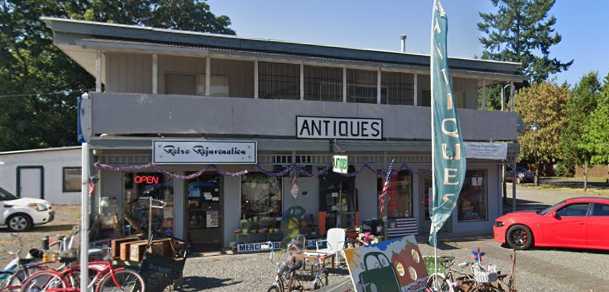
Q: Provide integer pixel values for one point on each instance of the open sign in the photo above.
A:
(147, 179)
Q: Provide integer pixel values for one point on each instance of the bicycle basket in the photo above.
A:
(482, 275)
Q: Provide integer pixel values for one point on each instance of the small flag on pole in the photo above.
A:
(385, 190)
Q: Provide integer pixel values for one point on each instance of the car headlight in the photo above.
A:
(38, 207)
(498, 223)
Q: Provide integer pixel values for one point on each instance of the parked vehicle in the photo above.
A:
(573, 223)
(523, 175)
(21, 214)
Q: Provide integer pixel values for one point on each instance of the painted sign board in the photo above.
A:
(340, 164)
(485, 150)
(204, 152)
(392, 265)
(339, 128)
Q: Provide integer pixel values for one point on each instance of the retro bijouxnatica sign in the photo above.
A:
(204, 152)
(339, 128)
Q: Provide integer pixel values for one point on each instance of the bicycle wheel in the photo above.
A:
(438, 283)
(43, 281)
(274, 288)
(126, 280)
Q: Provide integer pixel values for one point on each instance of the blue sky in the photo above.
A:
(378, 25)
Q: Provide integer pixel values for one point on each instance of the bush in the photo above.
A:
(563, 169)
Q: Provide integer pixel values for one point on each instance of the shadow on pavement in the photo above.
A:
(572, 184)
(523, 205)
(199, 283)
(45, 228)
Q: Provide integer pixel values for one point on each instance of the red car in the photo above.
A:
(573, 223)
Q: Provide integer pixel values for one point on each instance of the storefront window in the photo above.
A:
(260, 196)
(473, 198)
(400, 195)
(140, 186)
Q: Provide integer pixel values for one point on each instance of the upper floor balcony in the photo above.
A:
(151, 81)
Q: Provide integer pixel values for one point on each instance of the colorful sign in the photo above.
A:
(484, 150)
(389, 266)
(448, 162)
(204, 152)
(340, 164)
(147, 179)
(339, 128)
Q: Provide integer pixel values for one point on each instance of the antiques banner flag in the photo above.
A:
(448, 161)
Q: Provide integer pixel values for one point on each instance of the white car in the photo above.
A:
(21, 214)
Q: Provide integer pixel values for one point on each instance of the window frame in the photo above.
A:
(64, 188)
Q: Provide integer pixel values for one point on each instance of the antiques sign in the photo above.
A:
(204, 152)
(339, 128)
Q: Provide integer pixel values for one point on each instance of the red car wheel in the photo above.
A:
(519, 237)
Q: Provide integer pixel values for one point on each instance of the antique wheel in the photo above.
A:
(519, 237)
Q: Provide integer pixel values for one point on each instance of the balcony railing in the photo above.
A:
(122, 113)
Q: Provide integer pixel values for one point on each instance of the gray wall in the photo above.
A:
(142, 113)
(52, 162)
(128, 72)
(365, 183)
(232, 207)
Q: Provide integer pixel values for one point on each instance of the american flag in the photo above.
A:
(385, 190)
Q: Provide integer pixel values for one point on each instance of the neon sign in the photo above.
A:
(147, 179)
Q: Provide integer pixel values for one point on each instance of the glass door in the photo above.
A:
(425, 203)
(204, 201)
(337, 197)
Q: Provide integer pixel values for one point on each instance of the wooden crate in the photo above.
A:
(125, 248)
(115, 245)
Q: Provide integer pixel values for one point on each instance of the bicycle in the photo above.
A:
(19, 267)
(16, 271)
(479, 279)
(105, 277)
(285, 280)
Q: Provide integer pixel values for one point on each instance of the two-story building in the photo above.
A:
(235, 133)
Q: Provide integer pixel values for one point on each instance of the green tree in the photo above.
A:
(542, 108)
(521, 31)
(39, 84)
(584, 100)
(595, 136)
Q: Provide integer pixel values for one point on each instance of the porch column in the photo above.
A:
(98, 71)
(344, 84)
(301, 81)
(255, 78)
(378, 86)
(207, 75)
(155, 74)
(416, 89)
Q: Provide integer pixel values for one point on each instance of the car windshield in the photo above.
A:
(546, 210)
(6, 195)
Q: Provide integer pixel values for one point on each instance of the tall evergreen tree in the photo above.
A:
(39, 84)
(583, 101)
(522, 31)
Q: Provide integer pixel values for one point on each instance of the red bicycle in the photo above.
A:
(103, 278)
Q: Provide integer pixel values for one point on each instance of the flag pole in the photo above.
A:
(433, 161)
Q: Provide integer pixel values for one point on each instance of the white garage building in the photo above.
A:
(52, 174)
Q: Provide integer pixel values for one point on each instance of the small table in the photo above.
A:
(311, 255)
